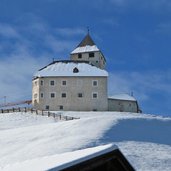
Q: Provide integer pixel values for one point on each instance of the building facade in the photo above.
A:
(70, 86)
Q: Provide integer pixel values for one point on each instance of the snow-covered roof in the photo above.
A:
(123, 97)
(67, 69)
(85, 49)
(63, 161)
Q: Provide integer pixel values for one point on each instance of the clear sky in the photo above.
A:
(134, 36)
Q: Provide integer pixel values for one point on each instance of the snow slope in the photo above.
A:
(144, 139)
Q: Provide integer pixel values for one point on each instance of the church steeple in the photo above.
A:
(88, 51)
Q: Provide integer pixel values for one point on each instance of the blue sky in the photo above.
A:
(134, 35)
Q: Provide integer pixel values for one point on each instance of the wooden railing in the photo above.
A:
(57, 116)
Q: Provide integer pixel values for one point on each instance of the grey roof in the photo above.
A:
(86, 41)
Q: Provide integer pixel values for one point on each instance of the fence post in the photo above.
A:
(54, 115)
(48, 114)
(25, 109)
(13, 109)
(2, 110)
(42, 113)
(19, 109)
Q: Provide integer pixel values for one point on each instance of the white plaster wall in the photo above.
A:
(122, 105)
(97, 60)
(74, 86)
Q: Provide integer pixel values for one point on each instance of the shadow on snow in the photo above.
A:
(144, 130)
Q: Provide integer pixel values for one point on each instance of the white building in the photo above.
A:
(123, 103)
(78, 84)
(70, 86)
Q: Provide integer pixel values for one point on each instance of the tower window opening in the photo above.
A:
(79, 56)
(91, 55)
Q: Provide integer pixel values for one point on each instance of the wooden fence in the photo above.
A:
(57, 116)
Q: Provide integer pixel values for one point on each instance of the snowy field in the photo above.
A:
(27, 140)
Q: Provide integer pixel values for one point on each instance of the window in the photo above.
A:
(52, 95)
(41, 82)
(75, 70)
(80, 95)
(64, 82)
(63, 95)
(35, 83)
(79, 56)
(95, 95)
(61, 107)
(91, 55)
(52, 82)
(97, 61)
(41, 95)
(95, 83)
(47, 107)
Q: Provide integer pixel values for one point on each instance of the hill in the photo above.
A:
(29, 139)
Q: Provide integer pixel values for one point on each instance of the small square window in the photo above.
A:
(41, 95)
(95, 83)
(95, 95)
(80, 95)
(79, 56)
(41, 82)
(47, 107)
(64, 82)
(63, 95)
(61, 107)
(52, 82)
(91, 55)
(52, 95)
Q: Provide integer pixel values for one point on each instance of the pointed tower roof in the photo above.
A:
(87, 41)
(86, 45)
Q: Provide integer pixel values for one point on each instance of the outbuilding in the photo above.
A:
(123, 103)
